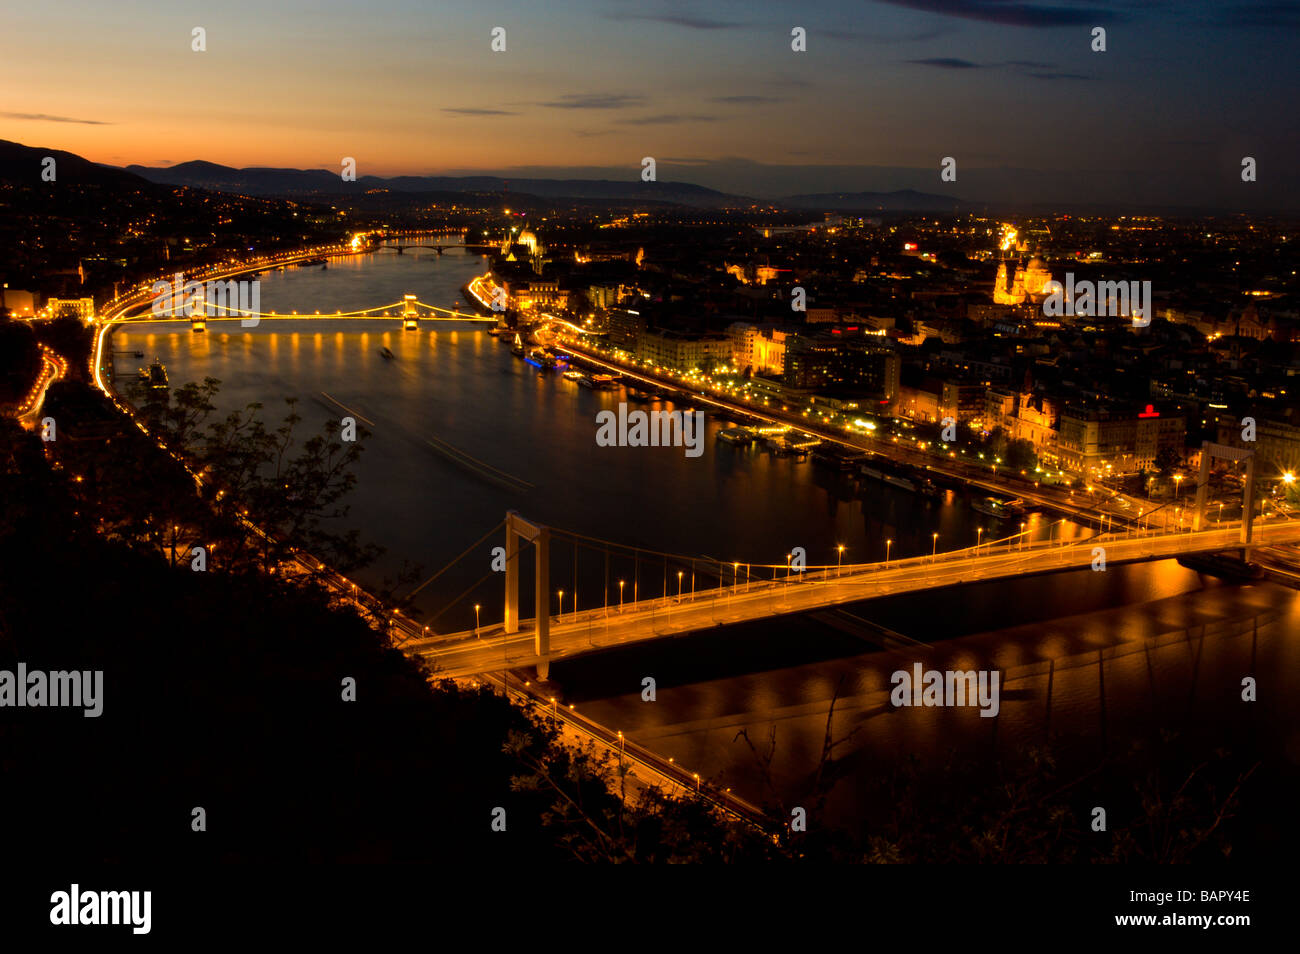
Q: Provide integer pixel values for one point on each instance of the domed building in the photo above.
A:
(1028, 283)
(1035, 280)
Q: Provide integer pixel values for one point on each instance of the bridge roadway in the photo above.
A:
(573, 634)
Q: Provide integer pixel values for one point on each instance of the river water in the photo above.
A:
(461, 431)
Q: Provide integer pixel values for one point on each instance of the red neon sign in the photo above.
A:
(1150, 412)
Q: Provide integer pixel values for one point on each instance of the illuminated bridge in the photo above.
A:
(410, 311)
(668, 594)
(439, 248)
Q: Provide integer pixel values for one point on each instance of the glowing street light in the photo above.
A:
(477, 607)
(839, 559)
(888, 544)
(620, 595)
(934, 545)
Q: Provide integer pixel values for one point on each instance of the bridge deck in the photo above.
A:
(588, 630)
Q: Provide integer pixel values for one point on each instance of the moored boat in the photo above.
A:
(154, 376)
(1001, 509)
(736, 435)
(837, 456)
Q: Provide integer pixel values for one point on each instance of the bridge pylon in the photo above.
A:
(410, 314)
(1210, 449)
(517, 529)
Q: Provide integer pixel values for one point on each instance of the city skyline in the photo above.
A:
(496, 436)
(884, 91)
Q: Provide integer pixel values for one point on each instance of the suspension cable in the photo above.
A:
(465, 553)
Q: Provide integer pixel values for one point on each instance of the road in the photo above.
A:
(1083, 506)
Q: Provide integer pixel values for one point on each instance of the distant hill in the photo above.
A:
(300, 182)
(19, 163)
(905, 200)
(22, 165)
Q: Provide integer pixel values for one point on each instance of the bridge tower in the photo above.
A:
(517, 529)
(1208, 450)
(410, 316)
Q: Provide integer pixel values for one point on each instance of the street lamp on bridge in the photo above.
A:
(839, 559)
(934, 546)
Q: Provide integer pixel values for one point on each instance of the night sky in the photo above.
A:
(713, 91)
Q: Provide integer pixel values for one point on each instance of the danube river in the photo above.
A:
(460, 431)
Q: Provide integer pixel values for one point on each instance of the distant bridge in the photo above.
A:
(410, 311)
(438, 241)
(481, 246)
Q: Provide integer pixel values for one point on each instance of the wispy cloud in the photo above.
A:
(678, 19)
(475, 111)
(1030, 68)
(1260, 15)
(947, 63)
(1026, 14)
(595, 101)
(662, 118)
(744, 100)
(43, 118)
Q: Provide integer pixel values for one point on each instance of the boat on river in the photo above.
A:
(736, 435)
(154, 376)
(999, 508)
(837, 456)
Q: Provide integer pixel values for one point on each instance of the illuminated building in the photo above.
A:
(761, 350)
(671, 349)
(1027, 282)
(21, 304)
(83, 308)
(1123, 440)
